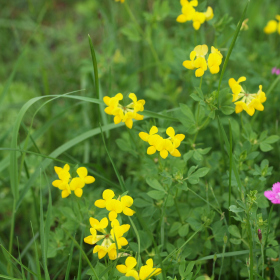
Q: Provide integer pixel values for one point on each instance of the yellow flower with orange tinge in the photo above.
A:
(189, 13)
(198, 61)
(249, 102)
(164, 146)
(126, 113)
(146, 271)
(115, 206)
(273, 26)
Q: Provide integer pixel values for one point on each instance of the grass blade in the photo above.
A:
(69, 260)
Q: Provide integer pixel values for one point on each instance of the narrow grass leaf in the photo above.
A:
(69, 260)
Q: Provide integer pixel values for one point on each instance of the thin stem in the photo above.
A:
(230, 172)
(200, 82)
(251, 257)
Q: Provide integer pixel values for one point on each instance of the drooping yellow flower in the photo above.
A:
(164, 146)
(249, 102)
(108, 245)
(115, 206)
(273, 26)
(124, 113)
(63, 182)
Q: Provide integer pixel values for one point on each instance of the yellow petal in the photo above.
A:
(163, 154)
(56, 183)
(209, 13)
(199, 72)
(153, 130)
(89, 179)
(121, 268)
(93, 222)
(128, 212)
(76, 183)
(133, 97)
(82, 172)
(144, 136)
(125, 228)
(108, 194)
(170, 132)
(151, 150)
(117, 119)
(133, 273)
(241, 79)
(181, 18)
(112, 215)
(271, 27)
(100, 203)
(175, 153)
(57, 169)
(78, 192)
(127, 200)
(130, 262)
(150, 262)
(214, 69)
(103, 223)
(129, 123)
(188, 64)
(101, 253)
(89, 240)
(64, 193)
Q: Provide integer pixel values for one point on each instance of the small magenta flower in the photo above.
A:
(274, 195)
(275, 71)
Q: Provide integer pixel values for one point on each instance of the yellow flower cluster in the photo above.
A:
(124, 113)
(146, 271)
(109, 239)
(115, 206)
(247, 102)
(199, 63)
(164, 146)
(67, 184)
(113, 240)
(189, 13)
(273, 26)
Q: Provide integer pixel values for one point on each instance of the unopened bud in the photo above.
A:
(225, 239)
(260, 235)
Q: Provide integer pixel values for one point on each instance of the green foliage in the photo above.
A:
(199, 216)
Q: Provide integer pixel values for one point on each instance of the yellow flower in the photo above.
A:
(244, 25)
(63, 182)
(189, 64)
(128, 268)
(198, 19)
(148, 270)
(273, 26)
(214, 60)
(115, 206)
(124, 113)
(78, 183)
(164, 146)
(188, 12)
(209, 13)
(122, 1)
(249, 102)
(201, 65)
(108, 245)
(201, 50)
(236, 87)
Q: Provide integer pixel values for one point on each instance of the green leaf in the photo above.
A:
(157, 195)
(185, 109)
(184, 230)
(127, 278)
(235, 209)
(227, 110)
(265, 147)
(272, 139)
(141, 203)
(155, 184)
(233, 230)
(189, 268)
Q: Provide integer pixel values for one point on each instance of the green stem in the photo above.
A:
(200, 82)
(251, 256)
(230, 172)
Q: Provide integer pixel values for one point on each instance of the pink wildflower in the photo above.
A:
(275, 71)
(274, 195)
